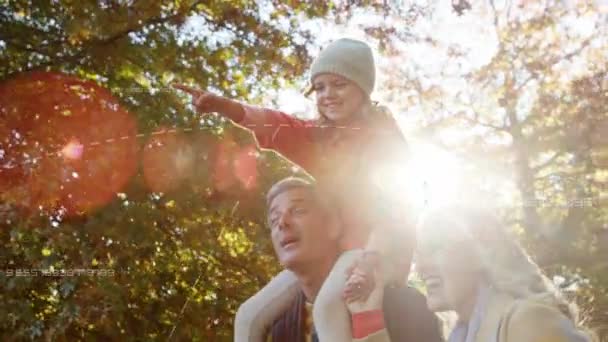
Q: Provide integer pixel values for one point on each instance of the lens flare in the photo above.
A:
(431, 176)
(245, 167)
(434, 177)
(48, 122)
(168, 160)
(234, 166)
(222, 176)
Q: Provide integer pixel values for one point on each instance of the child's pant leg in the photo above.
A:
(257, 314)
(331, 316)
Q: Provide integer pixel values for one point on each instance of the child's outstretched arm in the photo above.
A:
(273, 129)
(206, 102)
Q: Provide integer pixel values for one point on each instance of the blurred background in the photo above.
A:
(124, 215)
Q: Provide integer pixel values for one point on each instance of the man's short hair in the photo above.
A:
(291, 183)
(287, 184)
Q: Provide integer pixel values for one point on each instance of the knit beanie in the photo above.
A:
(349, 58)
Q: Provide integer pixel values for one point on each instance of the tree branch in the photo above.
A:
(87, 45)
(30, 49)
(555, 60)
(158, 19)
(495, 11)
(547, 163)
(476, 121)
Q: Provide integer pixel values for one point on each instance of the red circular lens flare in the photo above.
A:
(234, 165)
(245, 167)
(168, 160)
(67, 142)
(223, 178)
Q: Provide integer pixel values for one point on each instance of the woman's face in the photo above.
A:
(450, 270)
(338, 98)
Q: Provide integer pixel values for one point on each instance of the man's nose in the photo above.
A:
(284, 221)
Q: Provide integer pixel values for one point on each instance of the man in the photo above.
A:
(305, 233)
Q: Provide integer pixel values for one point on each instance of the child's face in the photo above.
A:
(338, 98)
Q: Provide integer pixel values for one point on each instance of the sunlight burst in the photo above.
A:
(432, 177)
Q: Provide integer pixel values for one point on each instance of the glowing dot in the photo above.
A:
(72, 150)
(75, 174)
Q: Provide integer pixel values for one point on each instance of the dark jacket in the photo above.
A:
(406, 316)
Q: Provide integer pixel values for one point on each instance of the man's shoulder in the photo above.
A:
(407, 316)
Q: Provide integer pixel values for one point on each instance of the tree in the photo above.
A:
(181, 243)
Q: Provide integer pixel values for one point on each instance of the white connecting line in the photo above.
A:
(175, 131)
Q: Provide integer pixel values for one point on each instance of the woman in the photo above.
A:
(340, 149)
(471, 266)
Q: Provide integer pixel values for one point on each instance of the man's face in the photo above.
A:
(301, 232)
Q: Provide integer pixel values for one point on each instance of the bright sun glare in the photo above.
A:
(432, 177)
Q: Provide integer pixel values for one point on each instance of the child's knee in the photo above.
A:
(328, 303)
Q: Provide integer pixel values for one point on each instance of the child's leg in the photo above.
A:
(257, 314)
(330, 314)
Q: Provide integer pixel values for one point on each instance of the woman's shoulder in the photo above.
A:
(536, 320)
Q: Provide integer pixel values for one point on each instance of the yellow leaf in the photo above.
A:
(46, 251)
(167, 77)
(142, 80)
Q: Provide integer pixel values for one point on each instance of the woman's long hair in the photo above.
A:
(504, 263)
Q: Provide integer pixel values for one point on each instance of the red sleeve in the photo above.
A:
(280, 132)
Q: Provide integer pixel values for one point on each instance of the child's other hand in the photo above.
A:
(364, 288)
(202, 100)
(359, 285)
